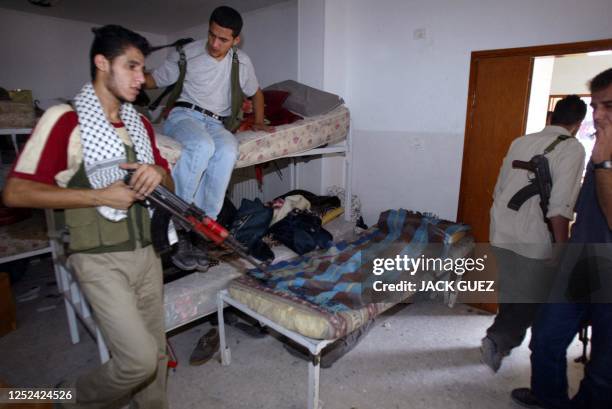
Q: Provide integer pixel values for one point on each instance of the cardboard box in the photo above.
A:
(8, 321)
(16, 115)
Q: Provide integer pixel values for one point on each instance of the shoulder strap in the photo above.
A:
(556, 142)
(175, 89)
(232, 122)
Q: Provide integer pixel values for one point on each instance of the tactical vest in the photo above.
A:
(91, 233)
(231, 122)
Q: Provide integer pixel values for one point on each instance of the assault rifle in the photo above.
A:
(540, 184)
(192, 218)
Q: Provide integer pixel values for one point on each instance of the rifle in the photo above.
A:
(540, 184)
(191, 217)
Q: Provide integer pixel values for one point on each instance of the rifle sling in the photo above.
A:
(176, 88)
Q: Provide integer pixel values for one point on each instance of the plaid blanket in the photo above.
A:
(335, 280)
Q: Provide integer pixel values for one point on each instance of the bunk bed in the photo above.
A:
(327, 133)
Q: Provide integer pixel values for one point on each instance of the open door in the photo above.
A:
(498, 100)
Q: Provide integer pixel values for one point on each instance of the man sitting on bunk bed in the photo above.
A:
(199, 120)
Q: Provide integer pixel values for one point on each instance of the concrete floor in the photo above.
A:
(423, 355)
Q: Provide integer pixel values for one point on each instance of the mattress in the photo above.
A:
(259, 147)
(194, 296)
(321, 295)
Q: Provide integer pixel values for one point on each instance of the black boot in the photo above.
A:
(183, 257)
(199, 250)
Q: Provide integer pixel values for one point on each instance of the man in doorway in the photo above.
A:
(557, 323)
(522, 239)
(210, 151)
(76, 159)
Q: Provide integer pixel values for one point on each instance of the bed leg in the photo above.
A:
(293, 173)
(348, 178)
(226, 357)
(314, 369)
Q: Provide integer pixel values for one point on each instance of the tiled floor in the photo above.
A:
(423, 355)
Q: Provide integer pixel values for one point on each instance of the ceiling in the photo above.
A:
(153, 16)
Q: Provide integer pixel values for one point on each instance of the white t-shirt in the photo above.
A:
(207, 81)
(524, 231)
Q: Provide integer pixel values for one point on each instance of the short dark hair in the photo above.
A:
(569, 111)
(601, 81)
(227, 17)
(111, 41)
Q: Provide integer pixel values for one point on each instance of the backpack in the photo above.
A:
(301, 231)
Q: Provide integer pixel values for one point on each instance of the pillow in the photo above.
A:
(283, 117)
(274, 111)
(306, 100)
(273, 101)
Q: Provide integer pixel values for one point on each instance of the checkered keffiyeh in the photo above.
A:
(103, 149)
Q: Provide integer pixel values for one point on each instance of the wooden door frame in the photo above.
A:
(535, 51)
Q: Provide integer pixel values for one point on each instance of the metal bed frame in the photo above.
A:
(314, 346)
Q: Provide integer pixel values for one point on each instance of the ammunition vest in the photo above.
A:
(90, 232)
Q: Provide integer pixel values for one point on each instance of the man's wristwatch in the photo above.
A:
(606, 164)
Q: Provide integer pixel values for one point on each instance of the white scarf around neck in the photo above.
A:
(103, 149)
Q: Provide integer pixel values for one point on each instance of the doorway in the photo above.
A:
(499, 93)
(497, 113)
(555, 77)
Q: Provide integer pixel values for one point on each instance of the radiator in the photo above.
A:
(243, 185)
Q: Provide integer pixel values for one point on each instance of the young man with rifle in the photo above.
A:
(217, 77)
(76, 159)
(533, 203)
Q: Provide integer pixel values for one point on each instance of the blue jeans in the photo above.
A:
(209, 154)
(553, 331)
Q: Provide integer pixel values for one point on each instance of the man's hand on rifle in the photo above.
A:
(145, 178)
(117, 195)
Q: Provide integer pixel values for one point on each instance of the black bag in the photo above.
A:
(227, 215)
(301, 231)
(250, 225)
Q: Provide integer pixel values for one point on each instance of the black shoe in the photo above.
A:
(489, 355)
(199, 251)
(525, 398)
(253, 331)
(183, 257)
(206, 348)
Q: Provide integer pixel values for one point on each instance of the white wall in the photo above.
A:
(541, 79)
(48, 55)
(311, 35)
(572, 73)
(408, 96)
